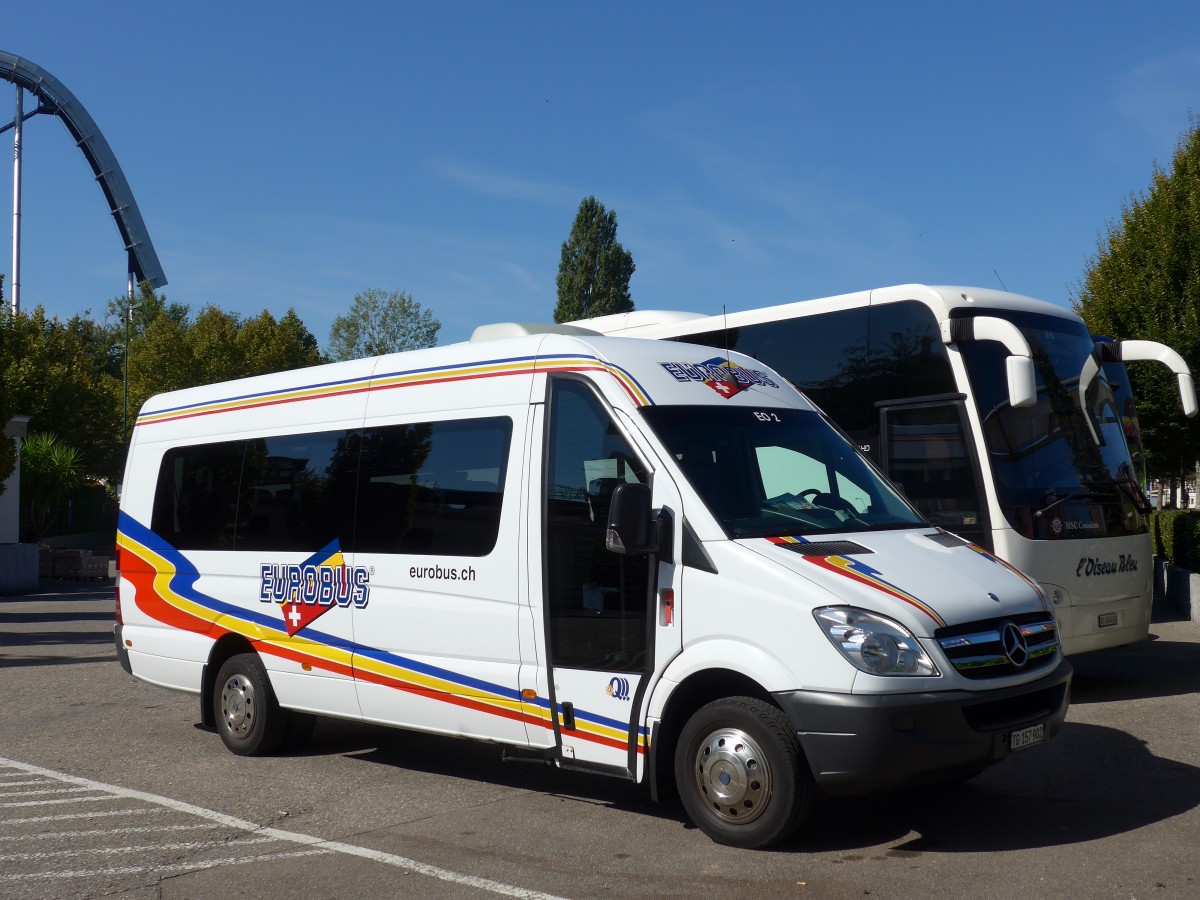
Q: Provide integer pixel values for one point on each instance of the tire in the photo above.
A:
(741, 774)
(248, 716)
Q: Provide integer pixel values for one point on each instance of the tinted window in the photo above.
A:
(425, 488)
(196, 502)
(597, 600)
(433, 487)
(299, 490)
(928, 457)
(848, 360)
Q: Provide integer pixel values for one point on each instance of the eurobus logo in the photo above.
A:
(723, 376)
(306, 590)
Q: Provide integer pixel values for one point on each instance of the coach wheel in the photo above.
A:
(249, 719)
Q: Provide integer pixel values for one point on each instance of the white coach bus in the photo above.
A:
(631, 557)
(970, 400)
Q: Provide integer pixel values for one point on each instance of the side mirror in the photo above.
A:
(1022, 381)
(1156, 352)
(630, 528)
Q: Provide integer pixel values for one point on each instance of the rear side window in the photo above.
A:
(196, 501)
(432, 488)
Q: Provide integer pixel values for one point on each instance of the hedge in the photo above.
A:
(1176, 536)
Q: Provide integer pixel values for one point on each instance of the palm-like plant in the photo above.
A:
(50, 471)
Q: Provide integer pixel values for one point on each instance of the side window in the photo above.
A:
(196, 501)
(786, 471)
(907, 352)
(596, 599)
(928, 457)
(433, 487)
(299, 491)
(853, 494)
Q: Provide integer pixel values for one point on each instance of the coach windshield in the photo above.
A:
(1056, 476)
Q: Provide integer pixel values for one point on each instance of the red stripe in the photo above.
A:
(528, 370)
(142, 575)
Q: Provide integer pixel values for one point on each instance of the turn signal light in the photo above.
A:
(666, 606)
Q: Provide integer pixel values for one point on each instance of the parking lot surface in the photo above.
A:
(110, 787)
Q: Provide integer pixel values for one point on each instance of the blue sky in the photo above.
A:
(293, 155)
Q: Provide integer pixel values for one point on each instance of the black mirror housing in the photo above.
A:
(630, 530)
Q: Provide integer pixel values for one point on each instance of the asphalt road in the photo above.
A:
(109, 787)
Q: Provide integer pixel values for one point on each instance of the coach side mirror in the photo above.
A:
(1022, 381)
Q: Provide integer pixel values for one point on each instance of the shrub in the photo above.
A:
(1176, 536)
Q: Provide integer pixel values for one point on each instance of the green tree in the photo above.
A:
(1144, 283)
(8, 449)
(594, 272)
(271, 345)
(170, 350)
(65, 377)
(70, 377)
(50, 471)
(381, 322)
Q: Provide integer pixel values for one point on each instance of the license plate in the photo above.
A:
(1026, 737)
(1107, 620)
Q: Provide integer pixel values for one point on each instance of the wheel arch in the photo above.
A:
(696, 690)
(228, 645)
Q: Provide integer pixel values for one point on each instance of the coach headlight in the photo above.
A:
(874, 643)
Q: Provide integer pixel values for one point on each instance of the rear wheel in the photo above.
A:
(248, 716)
(741, 773)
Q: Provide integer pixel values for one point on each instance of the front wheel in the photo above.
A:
(248, 716)
(741, 774)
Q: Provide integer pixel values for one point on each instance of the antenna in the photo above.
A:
(729, 376)
(999, 279)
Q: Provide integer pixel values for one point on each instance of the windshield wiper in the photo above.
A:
(1131, 489)
(1066, 498)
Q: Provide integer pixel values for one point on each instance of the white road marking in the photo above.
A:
(16, 803)
(53, 790)
(316, 844)
(90, 814)
(104, 832)
(148, 848)
(175, 868)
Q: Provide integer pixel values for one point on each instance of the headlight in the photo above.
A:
(873, 643)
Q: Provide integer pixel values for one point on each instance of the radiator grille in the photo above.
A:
(994, 648)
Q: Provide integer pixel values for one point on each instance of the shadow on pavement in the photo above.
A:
(24, 643)
(1100, 782)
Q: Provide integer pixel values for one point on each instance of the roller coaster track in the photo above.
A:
(54, 98)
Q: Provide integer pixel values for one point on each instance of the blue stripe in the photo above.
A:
(185, 577)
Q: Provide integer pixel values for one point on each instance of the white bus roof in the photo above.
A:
(940, 298)
(480, 373)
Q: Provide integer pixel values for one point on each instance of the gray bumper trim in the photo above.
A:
(858, 742)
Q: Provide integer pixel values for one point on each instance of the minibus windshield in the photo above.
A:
(768, 471)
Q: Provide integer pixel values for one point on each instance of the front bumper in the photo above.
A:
(859, 742)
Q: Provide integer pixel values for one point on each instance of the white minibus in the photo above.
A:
(971, 401)
(636, 558)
